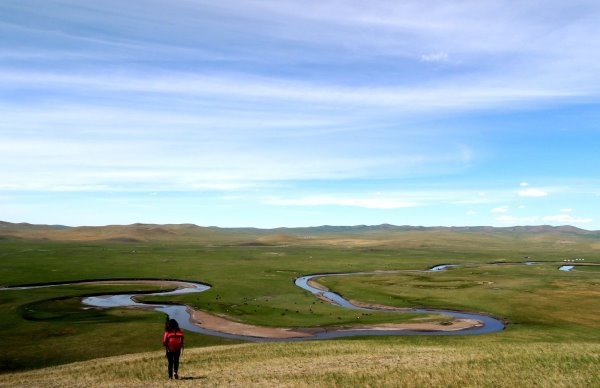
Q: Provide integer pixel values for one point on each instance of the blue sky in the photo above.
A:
(300, 113)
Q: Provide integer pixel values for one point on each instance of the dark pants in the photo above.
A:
(173, 359)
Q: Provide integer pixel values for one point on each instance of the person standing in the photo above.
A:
(173, 343)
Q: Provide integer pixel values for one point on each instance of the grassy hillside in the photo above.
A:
(378, 362)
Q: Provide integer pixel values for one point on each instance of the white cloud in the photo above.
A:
(506, 218)
(566, 219)
(524, 184)
(532, 192)
(560, 219)
(501, 209)
(435, 57)
(566, 210)
(518, 220)
(405, 99)
(327, 200)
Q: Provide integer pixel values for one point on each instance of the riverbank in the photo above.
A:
(208, 321)
(451, 321)
(226, 325)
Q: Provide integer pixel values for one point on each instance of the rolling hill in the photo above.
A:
(349, 236)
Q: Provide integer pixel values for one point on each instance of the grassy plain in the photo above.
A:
(552, 337)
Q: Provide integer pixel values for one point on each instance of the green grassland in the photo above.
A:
(552, 328)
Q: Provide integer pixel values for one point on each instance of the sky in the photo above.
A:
(292, 113)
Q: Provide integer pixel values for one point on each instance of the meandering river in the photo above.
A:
(183, 314)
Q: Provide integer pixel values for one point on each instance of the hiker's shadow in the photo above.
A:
(193, 377)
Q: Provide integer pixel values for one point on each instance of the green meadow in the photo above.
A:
(552, 337)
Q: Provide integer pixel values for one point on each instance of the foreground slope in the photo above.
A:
(364, 362)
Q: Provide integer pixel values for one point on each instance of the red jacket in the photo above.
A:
(173, 340)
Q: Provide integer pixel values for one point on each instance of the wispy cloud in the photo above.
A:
(185, 159)
(435, 57)
(501, 209)
(408, 100)
(369, 203)
(566, 219)
(533, 192)
(513, 220)
(559, 219)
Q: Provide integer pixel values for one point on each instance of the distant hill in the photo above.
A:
(357, 235)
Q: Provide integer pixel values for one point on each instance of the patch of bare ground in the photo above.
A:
(318, 286)
(277, 239)
(224, 325)
(354, 242)
(161, 283)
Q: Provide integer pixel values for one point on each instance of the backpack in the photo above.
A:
(174, 341)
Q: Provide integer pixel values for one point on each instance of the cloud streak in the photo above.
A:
(533, 193)
(408, 100)
(566, 219)
(369, 203)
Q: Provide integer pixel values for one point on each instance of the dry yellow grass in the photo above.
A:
(337, 364)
